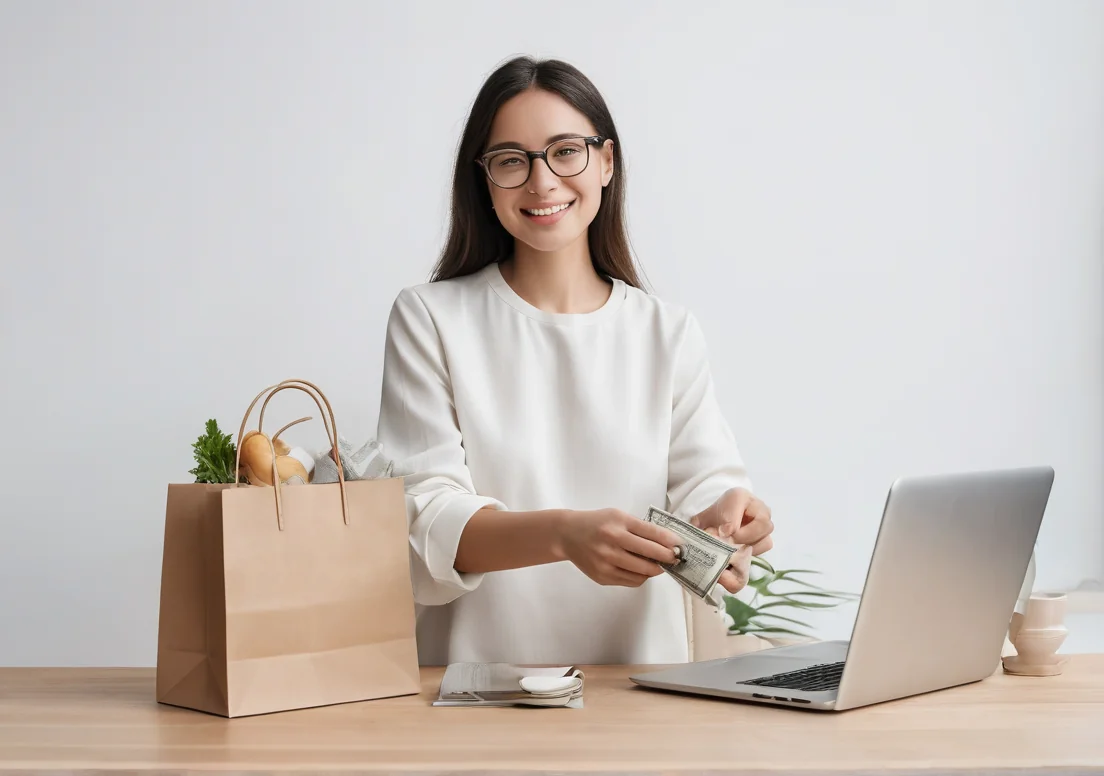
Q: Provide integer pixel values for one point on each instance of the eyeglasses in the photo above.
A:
(510, 168)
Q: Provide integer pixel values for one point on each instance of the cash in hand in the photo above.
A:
(700, 558)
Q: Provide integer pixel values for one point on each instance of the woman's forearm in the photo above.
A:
(496, 540)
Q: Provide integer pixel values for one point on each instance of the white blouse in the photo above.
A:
(489, 401)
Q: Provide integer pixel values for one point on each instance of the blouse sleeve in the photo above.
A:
(418, 431)
(704, 460)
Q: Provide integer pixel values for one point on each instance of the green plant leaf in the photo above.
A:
(814, 594)
(760, 562)
(798, 605)
(792, 590)
(774, 616)
(215, 453)
(791, 572)
(775, 590)
(802, 584)
(762, 584)
(740, 612)
(789, 631)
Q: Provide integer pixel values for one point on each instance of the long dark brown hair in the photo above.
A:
(475, 236)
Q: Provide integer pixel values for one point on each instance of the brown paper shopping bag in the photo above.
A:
(286, 597)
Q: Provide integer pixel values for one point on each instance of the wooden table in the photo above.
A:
(105, 720)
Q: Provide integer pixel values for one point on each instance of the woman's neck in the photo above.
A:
(563, 281)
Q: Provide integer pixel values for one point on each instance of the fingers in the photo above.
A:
(758, 525)
(647, 548)
(761, 546)
(650, 540)
(627, 551)
(733, 508)
(634, 564)
(736, 576)
(731, 582)
(622, 578)
(652, 532)
(756, 534)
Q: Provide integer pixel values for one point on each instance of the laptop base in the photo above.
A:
(729, 677)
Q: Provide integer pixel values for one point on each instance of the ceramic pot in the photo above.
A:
(1045, 611)
(1036, 636)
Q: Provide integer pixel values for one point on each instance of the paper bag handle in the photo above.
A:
(331, 430)
(331, 434)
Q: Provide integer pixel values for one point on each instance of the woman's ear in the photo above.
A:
(607, 162)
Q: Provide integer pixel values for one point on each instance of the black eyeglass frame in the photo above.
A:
(590, 140)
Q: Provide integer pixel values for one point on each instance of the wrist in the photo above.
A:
(558, 522)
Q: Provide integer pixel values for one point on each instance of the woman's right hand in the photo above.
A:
(614, 548)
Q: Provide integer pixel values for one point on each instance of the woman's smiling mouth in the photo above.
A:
(547, 215)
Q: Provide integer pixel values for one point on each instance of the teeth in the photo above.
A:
(547, 211)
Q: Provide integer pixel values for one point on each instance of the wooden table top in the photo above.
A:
(105, 720)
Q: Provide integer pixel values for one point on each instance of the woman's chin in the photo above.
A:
(545, 241)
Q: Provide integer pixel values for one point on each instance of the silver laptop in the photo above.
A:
(949, 562)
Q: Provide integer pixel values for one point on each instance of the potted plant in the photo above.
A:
(763, 614)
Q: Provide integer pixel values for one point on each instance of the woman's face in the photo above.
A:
(548, 212)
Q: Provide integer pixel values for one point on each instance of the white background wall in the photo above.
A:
(889, 218)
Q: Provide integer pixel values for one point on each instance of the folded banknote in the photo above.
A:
(701, 557)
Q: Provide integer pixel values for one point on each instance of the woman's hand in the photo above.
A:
(740, 518)
(615, 548)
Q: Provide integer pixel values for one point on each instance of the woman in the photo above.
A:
(537, 402)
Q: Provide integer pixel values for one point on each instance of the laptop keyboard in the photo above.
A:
(823, 676)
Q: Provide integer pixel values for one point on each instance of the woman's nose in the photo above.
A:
(541, 177)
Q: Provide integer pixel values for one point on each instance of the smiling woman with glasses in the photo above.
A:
(536, 401)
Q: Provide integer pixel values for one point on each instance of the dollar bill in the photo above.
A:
(701, 557)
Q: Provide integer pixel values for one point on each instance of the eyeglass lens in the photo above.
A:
(509, 168)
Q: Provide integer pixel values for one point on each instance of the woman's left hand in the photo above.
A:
(741, 518)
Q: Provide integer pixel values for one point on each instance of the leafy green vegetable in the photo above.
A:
(214, 453)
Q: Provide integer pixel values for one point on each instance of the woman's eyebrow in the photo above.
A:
(516, 145)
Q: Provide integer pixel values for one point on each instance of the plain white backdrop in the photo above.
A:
(888, 216)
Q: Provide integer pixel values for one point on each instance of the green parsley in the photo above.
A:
(214, 453)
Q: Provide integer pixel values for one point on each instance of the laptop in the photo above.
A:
(949, 561)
